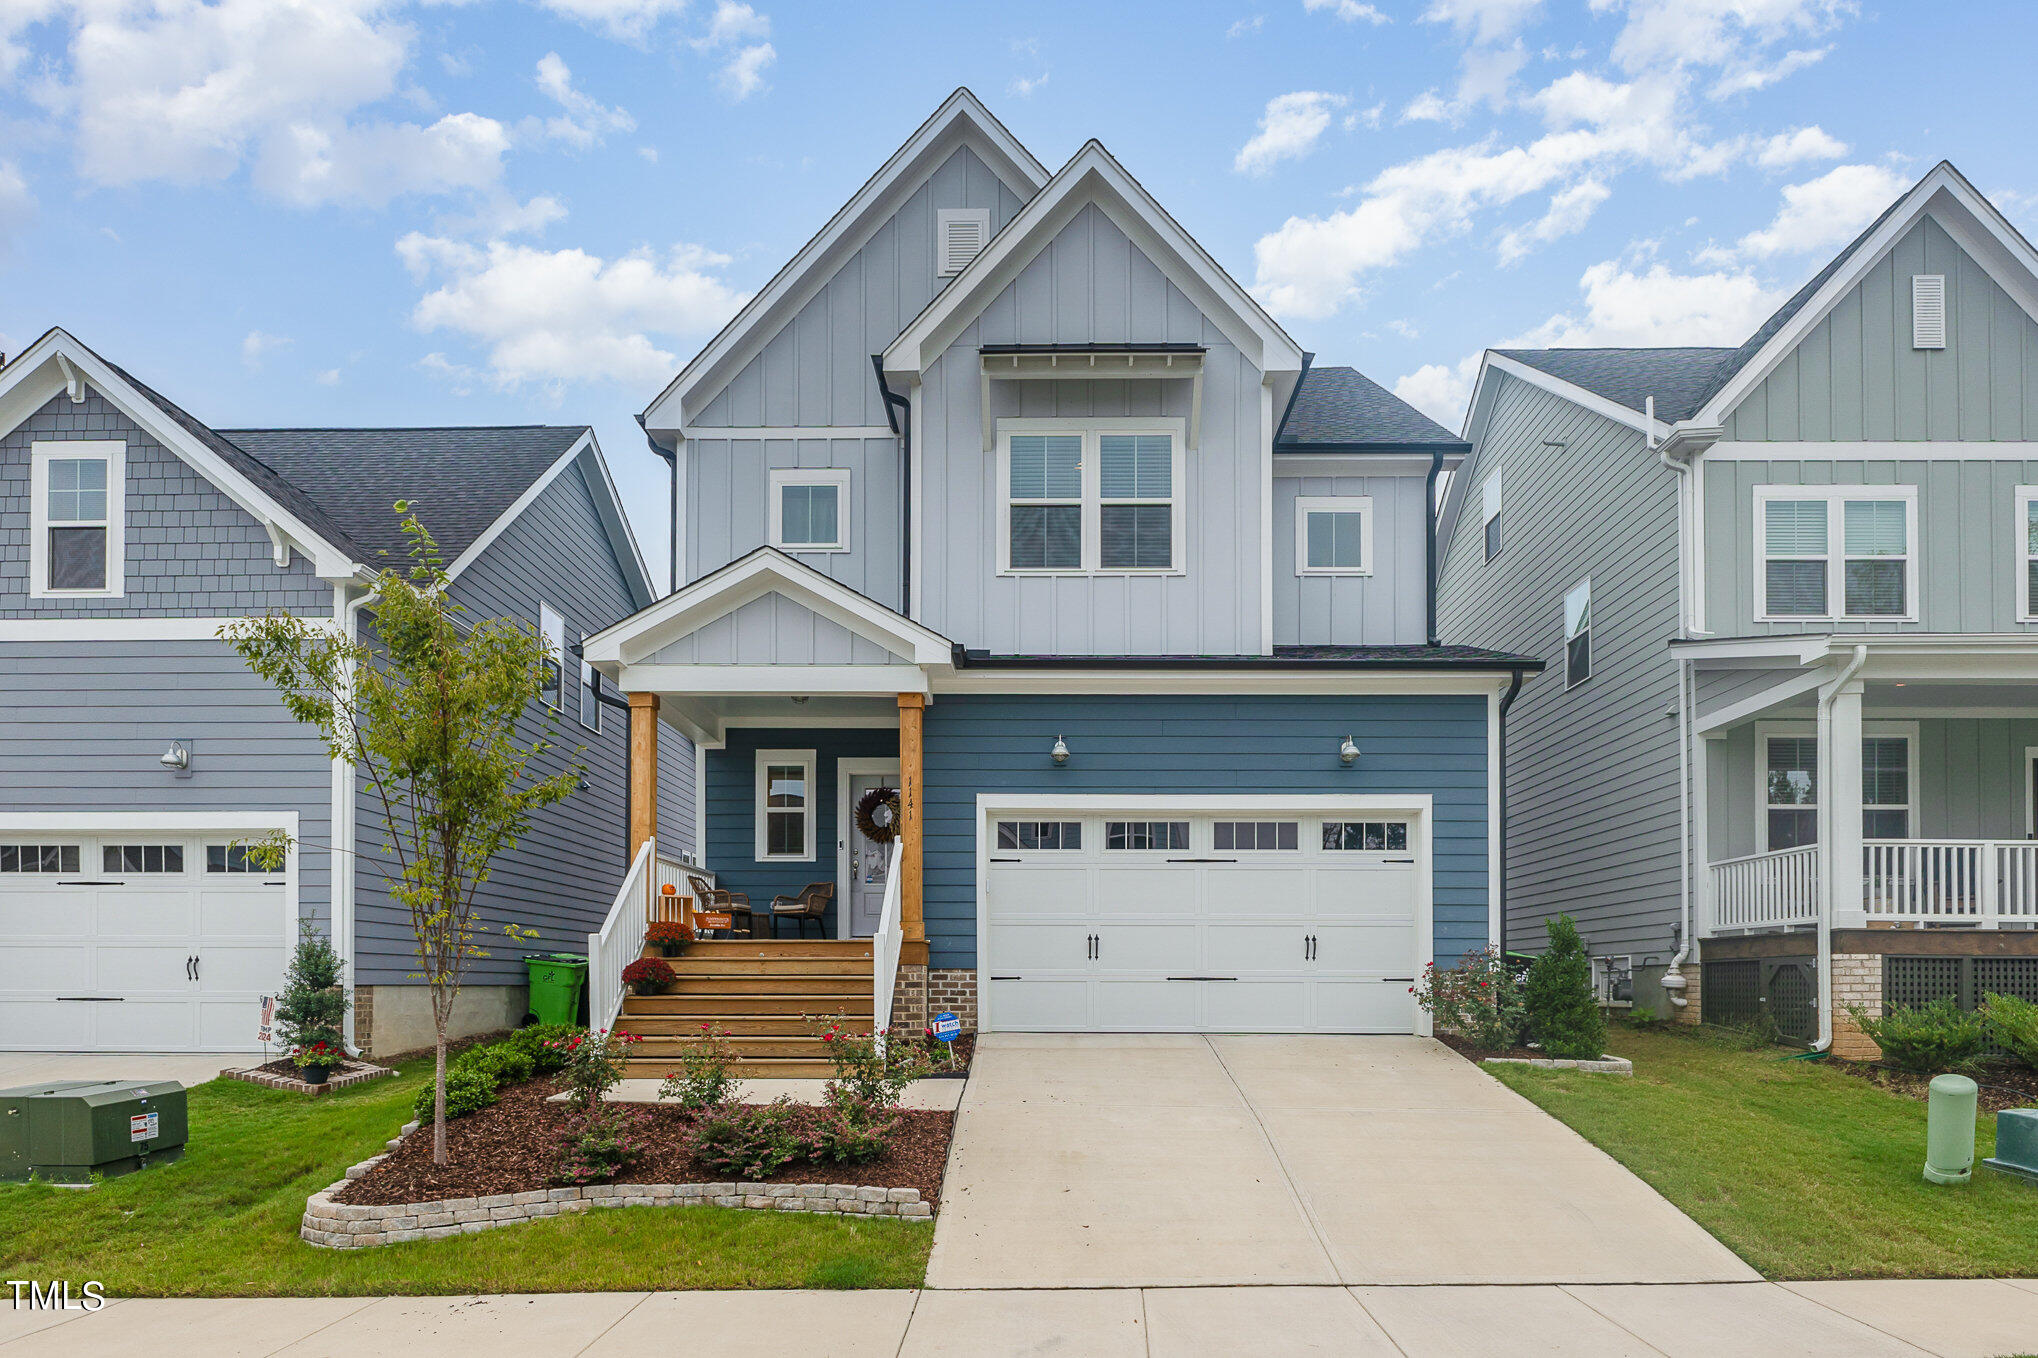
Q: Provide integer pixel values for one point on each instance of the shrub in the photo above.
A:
(1479, 999)
(505, 1062)
(705, 1080)
(468, 1090)
(862, 1072)
(594, 1063)
(605, 1145)
(1928, 1039)
(751, 1141)
(649, 976)
(850, 1132)
(537, 1041)
(2013, 1026)
(313, 1006)
(668, 933)
(1563, 1015)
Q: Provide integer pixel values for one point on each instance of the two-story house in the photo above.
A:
(1791, 739)
(137, 751)
(1005, 496)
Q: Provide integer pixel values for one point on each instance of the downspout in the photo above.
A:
(899, 415)
(1673, 977)
(340, 874)
(1827, 866)
(1429, 504)
(672, 466)
(579, 649)
(1506, 701)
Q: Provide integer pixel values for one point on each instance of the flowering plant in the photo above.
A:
(605, 1144)
(865, 1073)
(669, 935)
(316, 1054)
(703, 1082)
(594, 1062)
(649, 976)
(1479, 999)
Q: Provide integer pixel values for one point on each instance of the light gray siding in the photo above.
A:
(561, 878)
(1090, 283)
(1856, 376)
(82, 725)
(1387, 607)
(1592, 772)
(728, 511)
(1969, 567)
(1715, 690)
(191, 551)
(773, 630)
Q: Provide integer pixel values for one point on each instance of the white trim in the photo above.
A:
(1361, 505)
(2030, 806)
(1836, 556)
(806, 760)
(1290, 464)
(845, 830)
(1138, 682)
(1766, 731)
(1946, 450)
(718, 433)
(780, 479)
(113, 453)
(1419, 807)
(945, 221)
(1576, 395)
(700, 793)
(1692, 525)
(1268, 427)
(704, 680)
(1092, 499)
(1790, 684)
(2020, 533)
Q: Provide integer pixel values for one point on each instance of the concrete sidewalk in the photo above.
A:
(187, 1068)
(1967, 1319)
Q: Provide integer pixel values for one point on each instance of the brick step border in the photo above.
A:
(344, 1226)
(353, 1073)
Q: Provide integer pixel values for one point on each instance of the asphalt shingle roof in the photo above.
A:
(460, 480)
(1342, 407)
(1679, 379)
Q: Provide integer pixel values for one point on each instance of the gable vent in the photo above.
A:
(962, 233)
(1928, 311)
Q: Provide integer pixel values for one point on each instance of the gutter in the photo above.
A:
(1500, 868)
(899, 415)
(340, 866)
(1828, 869)
(672, 463)
(1429, 506)
(1497, 662)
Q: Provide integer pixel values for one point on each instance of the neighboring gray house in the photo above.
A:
(1004, 494)
(1795, 586)
(129, 534)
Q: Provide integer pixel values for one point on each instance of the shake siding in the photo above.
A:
(1592, 773)
(1384, 608)
(563, 875)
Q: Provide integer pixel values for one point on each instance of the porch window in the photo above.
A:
(590, 691)
(785, 805)
(1851, 547)
(1334, 535)
(76, 534)
(1793, 774)
(1791, 779)
(809, 510)
(1089, 497)
(1885, 787)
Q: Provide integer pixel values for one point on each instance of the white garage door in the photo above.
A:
(136, 943)
(1148, 920)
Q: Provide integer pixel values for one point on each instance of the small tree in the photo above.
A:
(429, 717)
(313, 1006)
(1563, 1015)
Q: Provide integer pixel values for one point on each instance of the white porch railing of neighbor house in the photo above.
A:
(1766, 890)
(620, 940)
(884, 948)
(1982, 882)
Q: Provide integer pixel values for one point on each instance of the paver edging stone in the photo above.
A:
(1605, 1065)
(352, 1073)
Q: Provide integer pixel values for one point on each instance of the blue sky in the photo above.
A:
(357, 212)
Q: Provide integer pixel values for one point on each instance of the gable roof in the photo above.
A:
(1679, 378)
(962, 120)
(1093, 175)
(1337, 408)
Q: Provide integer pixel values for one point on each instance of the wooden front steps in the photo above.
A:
(761, 993)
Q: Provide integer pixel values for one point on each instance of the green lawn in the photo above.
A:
(223, 1222)
(1801, 1169)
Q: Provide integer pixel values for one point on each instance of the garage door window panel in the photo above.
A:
(1264, 836)
(1150, 835)
(39, 858)
(1371, 836)
(142, 858)
(1052, 836)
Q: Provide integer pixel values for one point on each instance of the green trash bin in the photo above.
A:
(557, 979)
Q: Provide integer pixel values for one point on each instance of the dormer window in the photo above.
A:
(961, 235)
(76, 547)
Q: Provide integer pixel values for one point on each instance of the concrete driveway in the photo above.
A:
(188, 1068)
(1160, 1161)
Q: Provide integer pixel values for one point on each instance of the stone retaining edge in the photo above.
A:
(1605, 1065)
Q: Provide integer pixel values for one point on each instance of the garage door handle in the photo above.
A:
(1398, 978)
(1202, 978)
(194, 970)
(91, 999)
(1202, 860)
(1397, 860)
(1007, 860)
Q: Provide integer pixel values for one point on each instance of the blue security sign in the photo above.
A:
(947, 1027)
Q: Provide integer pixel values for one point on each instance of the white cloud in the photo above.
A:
(738, 33)
(743, 74)
(1570, 209)
(1351, 11)
(1241, 27)
(503, 215)
(1819, 214)
(328, 378)
(1289, 129)
(1799, 144)
(1023, 87)
(1485, 76)
(733, 23)
(549, 317)
(584, 122)
(15, 17)
(17, 204)
(1365, 117)
(258, 345)
(1624, 307)
(1483, 21)
(1404, 328)
(1733, 35)
(1745, 78)
(649, 153)
(629, 20)
(1440, 390)
(307, 165)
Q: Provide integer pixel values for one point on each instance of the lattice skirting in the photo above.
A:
(1752, 990)
(1967, 981)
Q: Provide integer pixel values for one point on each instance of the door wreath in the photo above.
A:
(877, 815)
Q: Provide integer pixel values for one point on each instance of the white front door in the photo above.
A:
(1151, 919)
(135, 942)
(866, 861)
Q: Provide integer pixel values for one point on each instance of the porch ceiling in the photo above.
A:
(707, 718)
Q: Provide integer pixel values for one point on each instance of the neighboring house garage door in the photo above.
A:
(1150, 918)
(136, 942)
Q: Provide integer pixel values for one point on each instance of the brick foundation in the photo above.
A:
(1857, 983)
(364, 1018)
(1694, 1006)
(909, 998)
(953, 990)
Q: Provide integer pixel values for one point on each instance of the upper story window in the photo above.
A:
(76, 545)
(1837, 552)
(1490, 497)
(2027, 536)
(1090, 497)
(1334, 535)
(552, 633)
(785, 805)
(963, 232)
(809, 510)
(590, 691)
(1578, 634)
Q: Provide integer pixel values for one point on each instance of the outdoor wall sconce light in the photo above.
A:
(177, 759)
(1348, 752)
(1060, 753)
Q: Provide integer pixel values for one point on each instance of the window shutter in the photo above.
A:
(962, 233)
(1928, 311)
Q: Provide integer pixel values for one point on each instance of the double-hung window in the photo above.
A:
(2026, 531)
(1838, 552)
(552, 636)
(1578, 634)
(785, 805)
(1791, 794)
(590, 691)
(1090, 496)
(1334, 535)
(1489, 495)
(76, 546)
(810, 510)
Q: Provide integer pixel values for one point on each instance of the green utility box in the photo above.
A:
(556, 982)
(67, 1131)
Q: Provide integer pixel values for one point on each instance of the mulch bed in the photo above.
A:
(965, 1049)
(1476, 1054)
(515, 1146)
(2002, 1086)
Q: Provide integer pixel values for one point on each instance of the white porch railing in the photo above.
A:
(620, 940)
(1981, 882)
(1766, 890)
(884, 949)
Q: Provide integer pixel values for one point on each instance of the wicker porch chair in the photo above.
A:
(735, 903)
(810, 904)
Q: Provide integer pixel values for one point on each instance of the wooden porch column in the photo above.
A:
(912, 715)
(643, 770)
